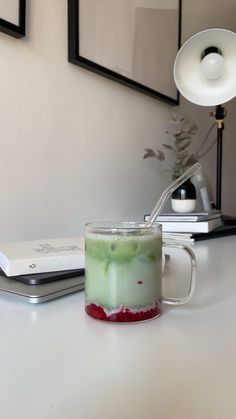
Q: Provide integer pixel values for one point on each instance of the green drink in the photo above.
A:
(123, 271)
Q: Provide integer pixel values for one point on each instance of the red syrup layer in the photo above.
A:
(123, 315)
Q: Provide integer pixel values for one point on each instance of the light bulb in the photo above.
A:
(212, 65)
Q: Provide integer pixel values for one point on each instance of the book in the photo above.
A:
(191, 227)
(180, 238)
(192, 217)
(39, 256)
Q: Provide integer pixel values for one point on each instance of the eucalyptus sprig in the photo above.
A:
(184, 130)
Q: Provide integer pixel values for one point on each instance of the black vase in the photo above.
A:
(183, 199)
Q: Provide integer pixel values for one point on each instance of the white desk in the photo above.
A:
(58, 363)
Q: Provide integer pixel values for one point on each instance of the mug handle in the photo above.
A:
(193, 261)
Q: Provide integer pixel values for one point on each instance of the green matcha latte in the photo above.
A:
(123, 271)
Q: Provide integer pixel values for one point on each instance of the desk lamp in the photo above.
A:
(205, 74)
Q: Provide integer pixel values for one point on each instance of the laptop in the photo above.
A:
(41, 293)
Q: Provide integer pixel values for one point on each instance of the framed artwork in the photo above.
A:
(133, 42)
(12, 17)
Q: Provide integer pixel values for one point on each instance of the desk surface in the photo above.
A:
(58, 363)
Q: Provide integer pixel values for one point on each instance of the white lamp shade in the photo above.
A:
(190, 73)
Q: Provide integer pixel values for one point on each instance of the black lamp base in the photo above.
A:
(228, 228)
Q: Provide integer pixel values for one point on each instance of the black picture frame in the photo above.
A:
(75, 56)
(17, 31)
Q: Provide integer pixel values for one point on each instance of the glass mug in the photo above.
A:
(123, 271)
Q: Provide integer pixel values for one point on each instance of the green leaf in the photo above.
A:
(180, 155)
(189, 126)
(183, 144)
(192, 160)
(149, 150)
(149, 153)
(160, 155)
(169, 147)
(185, 161)
(182, 136)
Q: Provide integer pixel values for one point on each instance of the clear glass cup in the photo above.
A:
(123, 271)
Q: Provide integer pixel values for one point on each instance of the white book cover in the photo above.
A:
(191, 227)
(38, 256)
(194, 216)
(190, 217)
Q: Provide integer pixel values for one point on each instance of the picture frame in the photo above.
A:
(133, 43)
(12, 17)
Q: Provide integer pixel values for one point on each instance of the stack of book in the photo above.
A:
(195, 222)
(42, 256)
(42, 269)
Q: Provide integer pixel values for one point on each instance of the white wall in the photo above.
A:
(71, 142)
